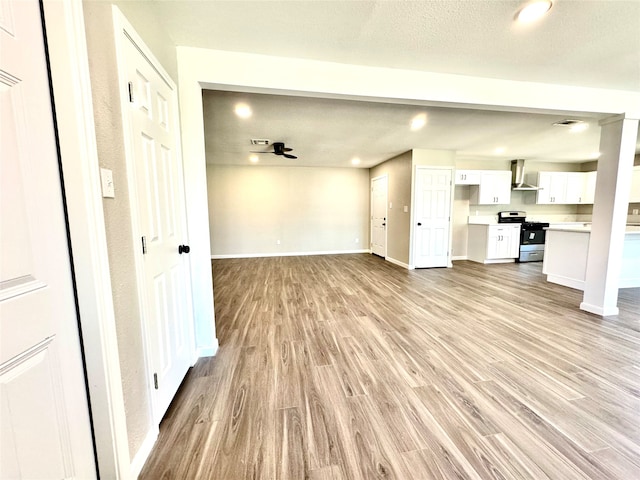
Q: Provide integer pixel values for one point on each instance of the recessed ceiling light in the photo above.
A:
(254, 158)
(533, 11)
(243, 110)
(418, 121)
(499, 150)
(355, 161)
(578, 127)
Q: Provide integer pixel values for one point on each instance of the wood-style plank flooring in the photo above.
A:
(348, 367)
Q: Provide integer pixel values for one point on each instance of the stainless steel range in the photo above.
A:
(532, 235)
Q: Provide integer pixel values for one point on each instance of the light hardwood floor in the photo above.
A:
(348, 367)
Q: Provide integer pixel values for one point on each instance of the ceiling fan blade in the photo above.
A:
(254, 151)
(287, 149)
(288, 156)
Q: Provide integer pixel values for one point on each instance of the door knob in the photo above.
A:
(419, 224)
(183, 249)
(384, 224)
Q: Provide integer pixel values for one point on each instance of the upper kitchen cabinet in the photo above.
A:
(590, 188)
(494, 188)
(468, 177)
(635, 186)
(566, 188)
(553, 187)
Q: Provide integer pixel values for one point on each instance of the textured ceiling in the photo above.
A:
(331, 132)
(591, 43)
(581, 42)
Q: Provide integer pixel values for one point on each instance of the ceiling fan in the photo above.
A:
(280, 149)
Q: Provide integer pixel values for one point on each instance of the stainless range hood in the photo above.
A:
(517, 177)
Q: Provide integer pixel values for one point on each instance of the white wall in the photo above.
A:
(309, 210)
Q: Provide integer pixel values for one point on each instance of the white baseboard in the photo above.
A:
(204, 352)
(500, 260)
(459, 257)
(143, 453)
(288, 254)
(209, 351)
(399, 263)
(603, 312)
(566, 282)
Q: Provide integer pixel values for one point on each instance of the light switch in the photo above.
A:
(108, 190)
(406, 209)
(390, 204)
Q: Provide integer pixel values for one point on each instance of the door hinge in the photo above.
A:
(155, 380)
(144, 245)
(130, 86)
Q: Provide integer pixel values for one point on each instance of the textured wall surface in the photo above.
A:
(117, 211)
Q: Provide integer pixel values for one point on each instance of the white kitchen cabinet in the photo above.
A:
(571, 188)
(553, 187)
(468, 177)
(635, 186)
(497, 243)
(574, 193)
(590, 188)
(494, 188)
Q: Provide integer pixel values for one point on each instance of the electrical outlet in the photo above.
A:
(277, 242)
(634, 211)
(357, 240)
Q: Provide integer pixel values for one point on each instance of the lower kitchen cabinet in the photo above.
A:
(498, 243)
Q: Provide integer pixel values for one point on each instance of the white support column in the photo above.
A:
(613, 185)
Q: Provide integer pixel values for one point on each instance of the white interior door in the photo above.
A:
(379, 195)
(432, 216)
(45, 430)
(161, 219)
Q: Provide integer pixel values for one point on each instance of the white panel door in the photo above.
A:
(45, 431)
(379, 196)
(161, 215)
(433, 218)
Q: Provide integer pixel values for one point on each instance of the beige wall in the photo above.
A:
(110, 143)
(398, 171)
(434, 158)
(306, 209)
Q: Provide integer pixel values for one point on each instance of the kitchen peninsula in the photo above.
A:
(566, 249)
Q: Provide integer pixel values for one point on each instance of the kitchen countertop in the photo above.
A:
(586, 228)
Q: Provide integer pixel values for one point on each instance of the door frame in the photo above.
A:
(69, 63)
(123, 32)
(414, 175)
(386, 211)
